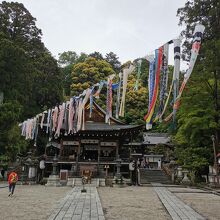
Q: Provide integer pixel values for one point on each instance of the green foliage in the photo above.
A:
(96, 55)
(112, 59)
(11, 141)
(89, 72)
(47, 82)
(30, 78)
(198, 117)
(144, 71)
(67, 58)
(136, 102)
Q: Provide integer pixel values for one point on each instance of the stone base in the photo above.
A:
(101, 182)
(185, 179)
(53, 180)
(70, 182)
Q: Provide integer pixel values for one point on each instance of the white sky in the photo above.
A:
(129, 28)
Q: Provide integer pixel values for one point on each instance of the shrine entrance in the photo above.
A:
(89, 150)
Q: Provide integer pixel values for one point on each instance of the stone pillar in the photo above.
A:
(118, 165)
(55, 164)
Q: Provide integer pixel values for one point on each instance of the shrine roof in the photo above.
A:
(97, 126)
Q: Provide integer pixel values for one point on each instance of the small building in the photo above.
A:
(145, 150)
(153, 161)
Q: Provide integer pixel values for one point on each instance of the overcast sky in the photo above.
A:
(129, 28)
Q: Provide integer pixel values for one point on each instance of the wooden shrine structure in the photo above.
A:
(96, 148)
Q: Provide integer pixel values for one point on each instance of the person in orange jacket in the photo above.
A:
(12, 180)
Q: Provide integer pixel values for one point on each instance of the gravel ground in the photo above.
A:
(128, 203)
(131, 203)
(206, 204)
(30, 202)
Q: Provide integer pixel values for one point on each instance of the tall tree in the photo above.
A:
(96, 55)
(113, 60)
(30, 77)
(199, 115)
(136, 102)
(18, 25)
(67, 58)
(88, 73)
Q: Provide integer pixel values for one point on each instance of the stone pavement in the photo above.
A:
(79, 206)
(3, 184)
(177, 209)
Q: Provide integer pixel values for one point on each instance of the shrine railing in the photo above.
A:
(107, 159)
(61, 158)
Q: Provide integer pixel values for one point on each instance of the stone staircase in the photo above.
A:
(96, 182)
(153, 176)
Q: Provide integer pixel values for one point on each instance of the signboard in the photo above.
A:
(70, 142)
(90, 147)
(89, 141)
(114, 144)
(63, 175)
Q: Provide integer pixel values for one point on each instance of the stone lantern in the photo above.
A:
(30, 162)
(118, 172)
(54, 179)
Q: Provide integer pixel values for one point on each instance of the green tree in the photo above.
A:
(18, 25)
(136, 102)
(198, 116)
(88, 73)
(67, 58)
(113, 60)
(96, 55)
(30, 77)
(11, 141)
(15, 77)
(47, 84)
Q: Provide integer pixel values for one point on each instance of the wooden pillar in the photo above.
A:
(61, 148)
(99, 151)
(117, 149)
(78, 155)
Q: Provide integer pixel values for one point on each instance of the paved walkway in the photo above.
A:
(79, 206)
(177, 209)
(3, 184)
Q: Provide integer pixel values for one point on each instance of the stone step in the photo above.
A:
(155, 176)
(95, 182)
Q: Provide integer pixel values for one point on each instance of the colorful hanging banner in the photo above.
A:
(148, 117)
(198, 33)
(164, 78)
(139, 62)
(109, 99)
(118, 96)
(175, 78)
(126, 72)
(151, 78)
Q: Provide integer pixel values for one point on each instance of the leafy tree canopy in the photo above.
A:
(88, 73)
(113, 60)
(198, 117)
(30, 77)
